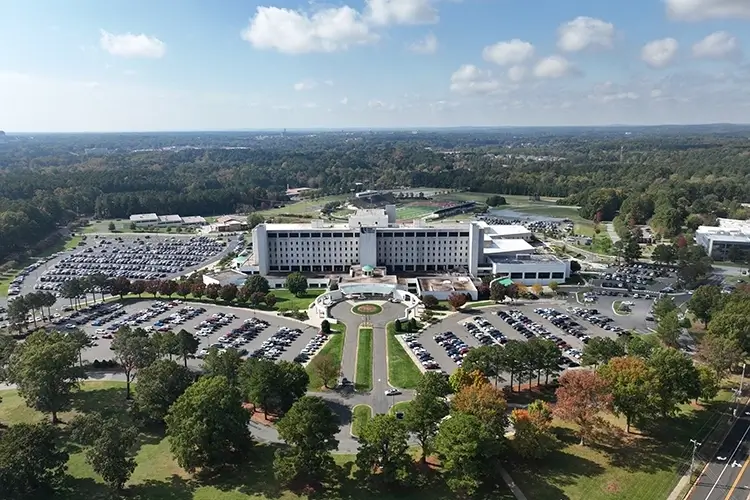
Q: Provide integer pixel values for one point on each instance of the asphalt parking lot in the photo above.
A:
(636, 278)
(102, 349)
(455, 323)
(31, 279)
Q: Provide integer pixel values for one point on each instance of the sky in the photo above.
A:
(162, 65)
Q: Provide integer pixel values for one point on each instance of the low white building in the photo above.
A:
(720, 240)
(530, 269)
(142, 220)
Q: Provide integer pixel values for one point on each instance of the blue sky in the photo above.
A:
(86, 65)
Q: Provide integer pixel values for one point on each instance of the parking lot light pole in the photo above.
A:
(696, 444)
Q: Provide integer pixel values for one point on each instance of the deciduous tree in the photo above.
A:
(309, 428)
(228, 292)
(720, 353)
(327, 368)
(45, 369)
(709, 383)
(662, 307)
(133, 351)
(600, 350)
(706, 301)
(423, 418)
(296, 283)
(224, 363)
(532, 437)
(159, 386)
(462, 378)
(187, 345)
(581, 398)
(486, 403)
(435, 384)
(675, 380)
(457, 300)
(208, 427)
(384, 447)
(256, 283)
(631, 382)
(109, 443)
(668, 330)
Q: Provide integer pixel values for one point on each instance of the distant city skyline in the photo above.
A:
(170, 65)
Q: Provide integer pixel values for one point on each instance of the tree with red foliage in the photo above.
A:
(183, 288)
(198, 289)
(213, 290)
(581, 397)
(152, 286)
(168, 288)
(138, 287)
(457, 300)
(681, 241)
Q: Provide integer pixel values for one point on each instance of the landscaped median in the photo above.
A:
(363, 374)
(361, 414)
(402, 372)
(334, 347)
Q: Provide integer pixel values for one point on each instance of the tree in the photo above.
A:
(309, 428)
(159, 386)
(270, 300)
(383, 446)
(183, 288)
(138, 287)
(80, 340)
(325, 367)
(225, 363)
(733, 321)
(463, 378)
(187, 345)
(496, 201)
(120, 286)
(165, 344)
(256, 298)
(662, 307)
(154, 286)
(465, 449)
(296, 283)
(720, 353)
(489, 360)
(486, 403)
(44, 367)
(325, 327)
(397, 326)
(537, 288)
(675, 380)
(32, 462)
(581, 398)
(198, 289)
(532, 437)
(228, 292)
(18, 311)
(706, 301)
(430, 301)
(641, 345)
(668, 330)
(709, 383)
(575, 266)
(256, 284)
(111, 226)
(457, 300)
(434, 384)
(423, 418)
(7, 346)
(497, 292)
(600, 350)
(168, 288)
(553, 285)
(212, 291)
(664, 254)
(208, 427)
(109, 447)
(133, 351)
(630, 381)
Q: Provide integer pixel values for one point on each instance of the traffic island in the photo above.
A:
(367, 309)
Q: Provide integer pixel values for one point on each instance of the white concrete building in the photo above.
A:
(718, 241)
(373, 238)
(143, 220)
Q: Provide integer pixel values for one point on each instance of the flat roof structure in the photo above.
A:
(524, 258)
(193, 219)
(228, 277)
(446, 284)
(502, 246)
(144, 218)
(170, 219)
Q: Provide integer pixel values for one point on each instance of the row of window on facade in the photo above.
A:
(384, 234)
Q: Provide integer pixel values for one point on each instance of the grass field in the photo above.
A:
(158, 477)
(304, 207)
(401, 406)
(414, 211)
(363, 377)
(286, 301)
(334, 347)
(645, 467)
(402, 372)
(361, 414)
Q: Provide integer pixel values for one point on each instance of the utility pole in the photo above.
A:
(738, 394)
(696, 444)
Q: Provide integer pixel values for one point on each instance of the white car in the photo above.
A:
(392, 392)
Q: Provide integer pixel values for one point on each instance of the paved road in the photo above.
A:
(726, 476)
(612, 233)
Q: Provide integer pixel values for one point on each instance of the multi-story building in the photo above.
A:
(730, 236)
(373, 238)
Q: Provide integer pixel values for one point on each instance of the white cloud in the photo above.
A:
(697, 10)
(584, 32)
(553, 67)
(427, 45)
(719, 45)
(468, 79)
(660, 53)
(385, 12)
(511, 52)
(305, 85)
(344, 101)
(132, 46)
(517, 73)
(294, 32)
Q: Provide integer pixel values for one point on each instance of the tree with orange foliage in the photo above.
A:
(632, 383)
(533, 438)
(484, 402)
(581, 397)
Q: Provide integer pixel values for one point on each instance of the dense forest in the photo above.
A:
(50, 180)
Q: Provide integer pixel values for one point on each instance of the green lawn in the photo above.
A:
(363, 377)
(645, 467)
(334, 347)
(158, 477)
(361, 414)
(285, 301)
(304, 207)
(402, 372)
(401, 406)
(414, 211)
(617, 306)
(584, 229)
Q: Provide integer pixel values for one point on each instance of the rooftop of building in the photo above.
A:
(524, 258)
(320, 225)
(170, 218)
(144, 217)
(194, 219)
(728, 229)
(501, 230)
(446, 284)
(228, 277)
(505, 246)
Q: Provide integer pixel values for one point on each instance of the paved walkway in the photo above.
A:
(612, 233)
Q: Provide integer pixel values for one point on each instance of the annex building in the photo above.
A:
(371, 238)
(729, 235)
